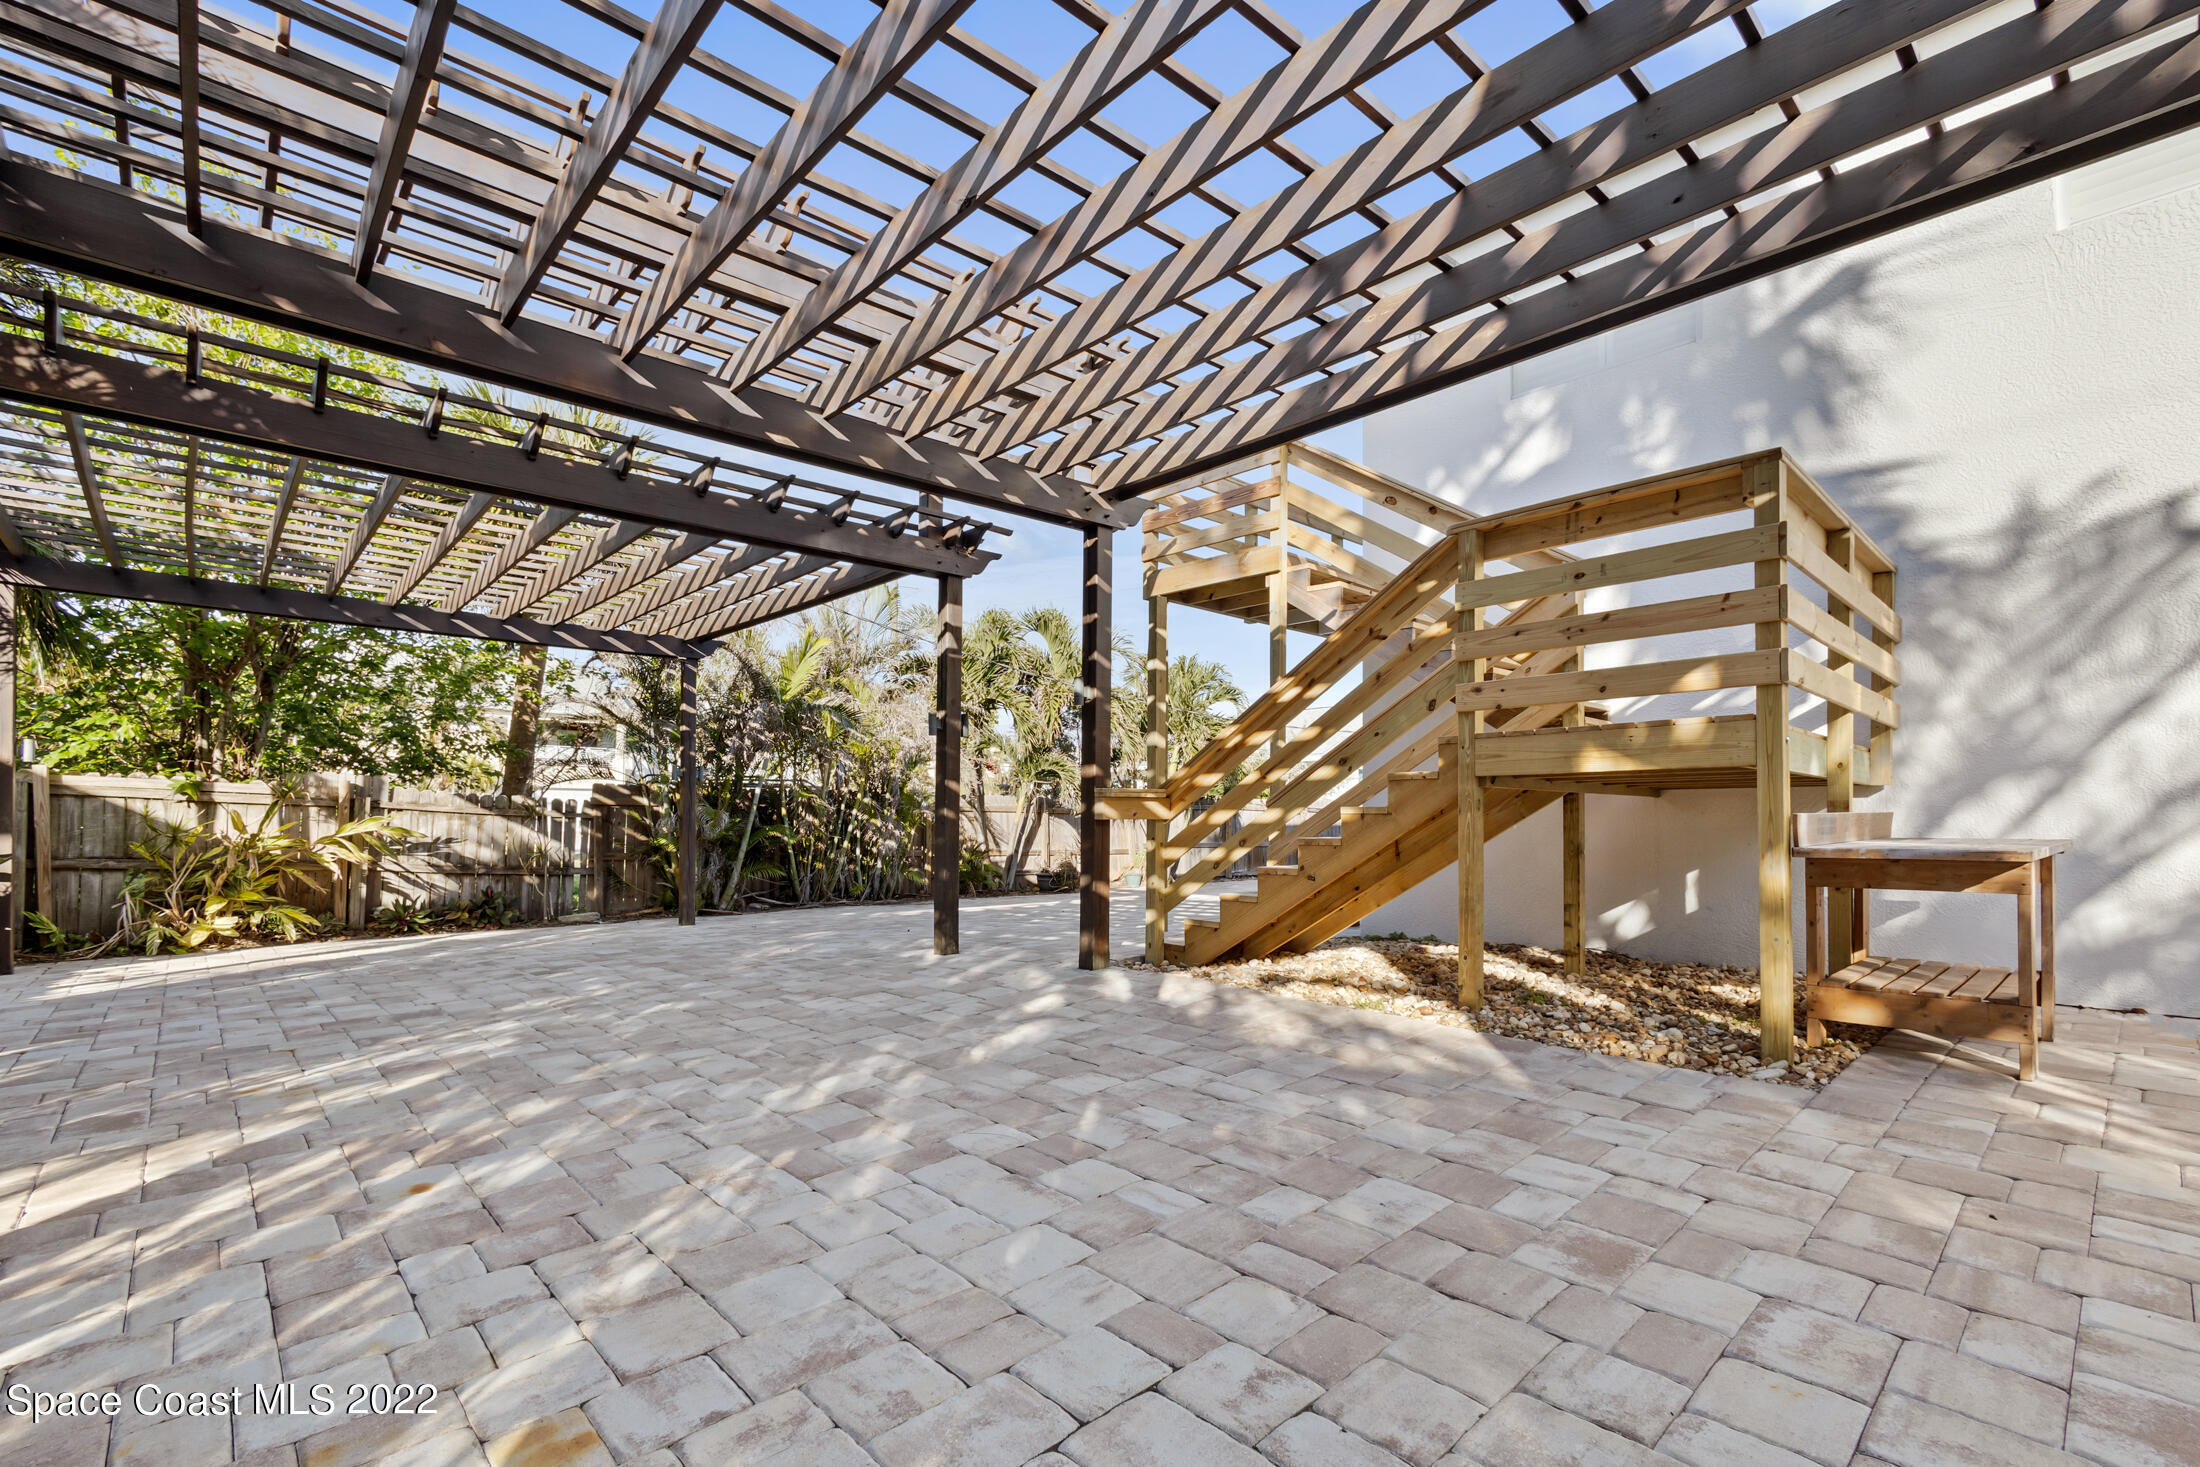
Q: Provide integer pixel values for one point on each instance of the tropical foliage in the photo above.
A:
(207, 880)
(811, 754)
(167, 690)
(814, 750)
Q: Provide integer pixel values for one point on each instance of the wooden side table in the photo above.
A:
(1855, 853)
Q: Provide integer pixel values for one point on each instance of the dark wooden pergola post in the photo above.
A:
(11, 879)
(689, 813)
(1093, 728)
(947, 774)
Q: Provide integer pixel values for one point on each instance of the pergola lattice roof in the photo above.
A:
(956, 265)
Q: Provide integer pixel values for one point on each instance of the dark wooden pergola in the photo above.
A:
(678, 242)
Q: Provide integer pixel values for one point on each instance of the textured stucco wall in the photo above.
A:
(2012, 410)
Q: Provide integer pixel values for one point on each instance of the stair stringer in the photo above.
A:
(1384, 852)
(1504, 810)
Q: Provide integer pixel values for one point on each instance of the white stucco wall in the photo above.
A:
(2009, 401)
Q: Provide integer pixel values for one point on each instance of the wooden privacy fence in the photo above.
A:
(545, 858)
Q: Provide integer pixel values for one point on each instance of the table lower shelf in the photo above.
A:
(1919, 978)
(1932, 998)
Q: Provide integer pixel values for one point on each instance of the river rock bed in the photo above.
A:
(1686, 1015)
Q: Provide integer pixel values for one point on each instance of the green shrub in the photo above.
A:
(979, 873)
(209, 880)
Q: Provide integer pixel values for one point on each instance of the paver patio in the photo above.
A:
(787, 1189)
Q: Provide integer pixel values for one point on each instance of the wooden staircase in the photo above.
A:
(1452, 698)
(1380, 853)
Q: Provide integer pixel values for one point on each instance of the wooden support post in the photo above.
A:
(1094, 732)
(350, 894)
(1574, 814)
(601, 818)
(2047, 949)
(1279, 584)
(1814, 960)
(11, 876)
(41, 846)
(1775, 878)
(1882, 737)
(1574, 839)
(1840, 759)
(947, 772)
(1466, 670)
(1157, 772)
(2028, 973)
(690, 815)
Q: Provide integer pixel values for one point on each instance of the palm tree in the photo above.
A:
(1039, 759)
(996, 661)
(1202, 702)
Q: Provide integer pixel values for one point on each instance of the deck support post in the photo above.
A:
(1574, 817)
(1840, 759)
(1157, 772)
(1093, 738)
(1279, 583)
(1467, 671)
(11, 875)
(1574, 840)
(947, 773)
(690, 815)
(1775, 869)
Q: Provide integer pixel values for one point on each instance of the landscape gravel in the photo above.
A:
(1687, 1015)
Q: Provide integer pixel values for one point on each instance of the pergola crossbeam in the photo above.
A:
(664, 49)
(1358, 46)
(870, 67)
(660, 557)
(696, 574)
(1852, 125)
(126, 238)
(431, 23)
(1097, 341)
(362, 533)
(1801, 55)
(87, 478)
(2113, 109)
(117, 387)
(285, 500)
(808, 586)
(455, 528)
(82, 578)
(537, 534)
(1563, 66)
(607, 542)
(1131, 44)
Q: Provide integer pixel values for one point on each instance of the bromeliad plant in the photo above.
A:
(209, 879)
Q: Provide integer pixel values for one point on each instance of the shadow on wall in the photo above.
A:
(2051, 627)
(1834, 327)
(2052, 686)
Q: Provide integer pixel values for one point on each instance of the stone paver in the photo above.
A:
(813, 1198)
(1090, 1373)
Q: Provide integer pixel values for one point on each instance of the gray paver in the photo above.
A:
(1000, 1422)
(1149, 1431)
(1090, 1372)
(1245, 1394)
